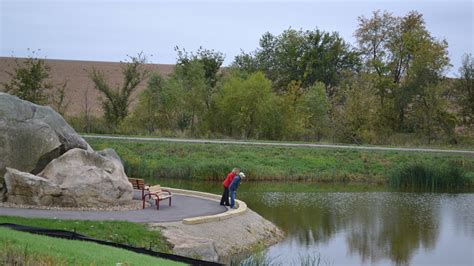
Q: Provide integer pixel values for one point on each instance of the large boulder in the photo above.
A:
(32, 135)
(29, 189)
(78, 178)
(91, 178)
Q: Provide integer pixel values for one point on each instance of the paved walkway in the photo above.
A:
(181, 207)
(331, 146)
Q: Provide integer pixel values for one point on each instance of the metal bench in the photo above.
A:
(151, 192)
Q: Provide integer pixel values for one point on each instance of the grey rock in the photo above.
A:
(110, 154)
(194, 247)
(92, 178)
(78, 178)
(226, 238)
(25, 188)
(32, 135)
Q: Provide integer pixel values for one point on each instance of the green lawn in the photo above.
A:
(128, 233)
(19, 248)
(150, 159)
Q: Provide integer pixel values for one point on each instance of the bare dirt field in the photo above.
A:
(79, 84)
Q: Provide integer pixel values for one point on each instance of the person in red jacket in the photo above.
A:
(226, 183)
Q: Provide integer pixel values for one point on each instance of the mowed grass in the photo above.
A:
(20, 248)
(133, 234)
(150, 159)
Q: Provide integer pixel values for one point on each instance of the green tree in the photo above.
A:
(373, 35)
(326, 59)
(422, 90)
(211, 62)
(247, 108)
(117, 99)
(293, 111)
(404, 56)
(355, 120)
(465, 89)
(147, 114)
(190, 79)
(317, 106)
(302, 56)
(431, 114)
(29, 80)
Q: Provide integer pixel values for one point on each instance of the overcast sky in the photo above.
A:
(109, 30)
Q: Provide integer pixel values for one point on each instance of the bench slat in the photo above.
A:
(137, 183)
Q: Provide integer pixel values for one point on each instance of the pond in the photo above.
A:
(379, 227)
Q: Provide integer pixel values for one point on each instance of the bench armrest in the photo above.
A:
(169, 192)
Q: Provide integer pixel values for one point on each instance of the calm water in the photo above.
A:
(363, 228)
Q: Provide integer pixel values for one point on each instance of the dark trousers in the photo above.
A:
(225, 197)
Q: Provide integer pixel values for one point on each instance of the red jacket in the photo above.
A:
(228, 179)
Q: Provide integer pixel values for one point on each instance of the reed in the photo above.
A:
(257, 259)
(430, 176)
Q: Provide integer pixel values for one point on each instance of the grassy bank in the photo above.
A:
(19, 248)
(133, 234)
(147, 159)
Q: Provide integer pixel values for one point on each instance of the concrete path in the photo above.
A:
(282, 144)
(181, 207)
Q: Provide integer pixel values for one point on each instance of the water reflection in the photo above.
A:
(376, 225)
(461, 208)
(363, 227)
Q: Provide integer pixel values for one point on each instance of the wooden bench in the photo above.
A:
(137, 183)
(158, 194)
(152, 192)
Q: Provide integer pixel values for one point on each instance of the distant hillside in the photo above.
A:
(76, 73)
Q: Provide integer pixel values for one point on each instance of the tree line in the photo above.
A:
(298, 85)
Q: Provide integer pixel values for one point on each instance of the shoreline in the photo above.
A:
(219, 237)
(212, 237)
(219, 241)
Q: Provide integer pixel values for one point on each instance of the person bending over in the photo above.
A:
(233, 188)
(226, 183)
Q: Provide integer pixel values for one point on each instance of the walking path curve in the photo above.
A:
(470, 152)
(182, 207)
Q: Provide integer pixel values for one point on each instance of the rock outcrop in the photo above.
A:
(43, 161)
(32, 135)
(78, 178)
(29, 189)
(221, 240)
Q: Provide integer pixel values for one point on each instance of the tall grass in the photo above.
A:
(310, 260)
(431, 176)
(261, 259)
(157, 160)
(258, 259)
